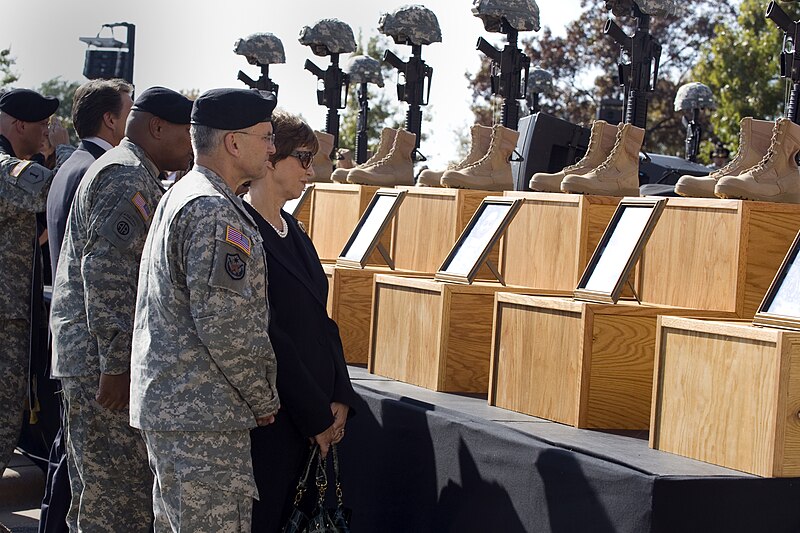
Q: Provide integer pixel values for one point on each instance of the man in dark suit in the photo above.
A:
(99, 112)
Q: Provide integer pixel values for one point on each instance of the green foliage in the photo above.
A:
(64, 91)
(7, 74)
(741, 66)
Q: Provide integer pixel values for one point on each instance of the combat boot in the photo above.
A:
(481, 138)
(618, 175)
(384, 147)
(344, 159)
(776, 178)
(492, 172)
(323, 166)
(397, 168)
(754, 138)
(601, 141)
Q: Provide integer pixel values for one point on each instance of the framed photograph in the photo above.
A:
(619, 249)
(781, 305)
(367, 234)
(293, 207)
(483, 231)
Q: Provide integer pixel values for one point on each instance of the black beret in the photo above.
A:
(165, 103)
(233, 109)
(27, 105)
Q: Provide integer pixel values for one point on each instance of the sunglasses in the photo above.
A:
(305, 157)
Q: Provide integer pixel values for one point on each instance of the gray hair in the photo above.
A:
(205, 139)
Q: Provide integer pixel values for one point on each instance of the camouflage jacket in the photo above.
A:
(201, 357)
(94, 291)
(23, 192)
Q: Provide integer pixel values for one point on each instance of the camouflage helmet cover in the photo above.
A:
(660, 8)
(694, 95)
(539, 81)
(411, 24)
(364, 69)
(260, 49)
(522, 15)
(328, 36)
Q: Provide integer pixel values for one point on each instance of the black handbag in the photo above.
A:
(323, 520)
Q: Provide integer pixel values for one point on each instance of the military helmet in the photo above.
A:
(260, 49)
(411, 24)
(328, 36)
(539, 81)
(364, 69)
(694, 95)
(522, 15)
(660, 8)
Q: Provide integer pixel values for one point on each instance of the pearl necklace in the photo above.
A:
(284, 231)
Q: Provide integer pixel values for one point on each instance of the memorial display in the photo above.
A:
(781, 305)
(367, 233)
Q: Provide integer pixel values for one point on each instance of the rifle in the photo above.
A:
(640, 74)
(333, 94)
(693, 135)
(790, 60)
(509, 82)
(361, 133)
(264, 83)
(414, 72)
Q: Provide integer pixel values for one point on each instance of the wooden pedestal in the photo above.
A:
(552, 237)
(335, 211)
(728, 393)
(583, 364)
(716, 254)
(350, 305)
(432, 334)
(303, 214)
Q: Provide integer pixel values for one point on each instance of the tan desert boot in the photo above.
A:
(492, 172)
(344, 158)
(618, 175)
(776, 178)
(384, 147)
(397, 168)
(754, 138)
(481, 138)
(601, 141)
(323, 166)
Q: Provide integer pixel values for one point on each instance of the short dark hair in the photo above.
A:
(291, 132)
(94, 99)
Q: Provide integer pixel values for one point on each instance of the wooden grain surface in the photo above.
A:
(335, 211)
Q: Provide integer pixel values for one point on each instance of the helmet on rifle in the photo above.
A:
(539, 81)
(328, 36)
(660, 8)
(522, 15)
(260, 49)
(412, 24)
(694, 95)
(364, 69)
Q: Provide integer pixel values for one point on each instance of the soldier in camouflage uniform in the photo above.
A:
(23, 192)
(202, 366)
(94, 296)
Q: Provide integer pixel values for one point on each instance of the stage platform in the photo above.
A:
(421, 461)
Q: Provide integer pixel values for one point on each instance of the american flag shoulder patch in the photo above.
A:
(19, 168)
(238, 239)
(141, 205)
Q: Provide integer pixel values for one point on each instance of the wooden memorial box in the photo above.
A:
(300, 207)
(335, 211)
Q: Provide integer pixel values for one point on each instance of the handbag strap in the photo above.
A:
(302, 483)
(321, 481)
(336, 479)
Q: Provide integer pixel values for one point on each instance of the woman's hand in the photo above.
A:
(339, 411)
(325, 439)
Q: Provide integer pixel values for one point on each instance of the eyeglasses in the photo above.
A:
(268, 138)
(304, 156)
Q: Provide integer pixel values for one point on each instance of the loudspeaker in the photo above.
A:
(546, 144)
(106, 64)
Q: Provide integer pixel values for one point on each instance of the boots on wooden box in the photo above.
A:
(387, 139)
(492, 172)
(481, 138)
(323, 166)
(396, 168)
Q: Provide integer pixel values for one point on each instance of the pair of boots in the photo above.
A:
(610, 166)
(323, 165)
(764, 168)
(392, 164)
(486, 167)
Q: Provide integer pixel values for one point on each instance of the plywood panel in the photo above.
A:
(467, 343)
(351, 311)
(335, 211)
(789, 417)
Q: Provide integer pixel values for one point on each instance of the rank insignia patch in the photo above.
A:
(238, 239)
(141, 205)
(234, 266)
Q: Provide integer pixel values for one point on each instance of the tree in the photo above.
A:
(7, 74)
(741, 66)
(584, 65)
(65, 92)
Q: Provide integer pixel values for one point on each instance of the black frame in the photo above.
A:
(299, 201)
(361, 260)
(765, 318)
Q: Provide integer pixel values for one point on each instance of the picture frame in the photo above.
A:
(293, 207)
(781, 305)
(367, 233)
(482, 232)
(619, 249)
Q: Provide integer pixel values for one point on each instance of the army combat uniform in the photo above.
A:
(23, 192)
(202, 365)
(92, 321)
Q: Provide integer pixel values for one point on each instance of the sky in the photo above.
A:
(188, 45)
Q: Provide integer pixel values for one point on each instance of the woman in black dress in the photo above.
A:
(313, 383)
